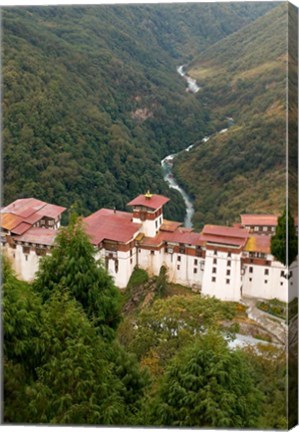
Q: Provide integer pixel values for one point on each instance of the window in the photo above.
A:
(26, 257)
(178, 267)
(215, 261)
(256, 228)
(156, 223)
(182, 250)
(131, 252)
(228, 263)
(281, 283)
(152, 252)
(250, 279)
(214, 270)
(179, 258)
(229, 254)
(213, 279)
(227, 272)
(160, 220)
(266, 281)
(227, 281)
(195, 262)
(139, 250)
(265, 228)
(272, 228)
(266, 272)
(250, 269)
(14, 255)
(116, 265)
(282, 273)
(131, 261)
(195, 270)
(215, 252)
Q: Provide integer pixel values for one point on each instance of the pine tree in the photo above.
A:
(72, 267)
(284, 251)
(207, 385)
(57, 368)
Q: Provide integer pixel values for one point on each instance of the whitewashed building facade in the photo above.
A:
(225, 262)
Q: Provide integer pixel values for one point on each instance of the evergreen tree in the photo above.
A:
(57, 368)
(207, 385)
(22, 345)
(283, 250)
(72, 267)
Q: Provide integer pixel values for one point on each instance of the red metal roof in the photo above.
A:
(21, 228)
(188, 238)
(41, 236)
(27, 207)
(22, 213)
(154, 202)
(259, 219)
(111, 225)
(24, 207)
(224, 235)
(169, 225)
(51, 210)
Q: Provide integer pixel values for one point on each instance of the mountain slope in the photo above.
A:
(243, 169)
(92, 100)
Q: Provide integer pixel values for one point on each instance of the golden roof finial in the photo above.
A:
(148, 195)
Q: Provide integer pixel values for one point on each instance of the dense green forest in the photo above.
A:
(242, 170)
(92, 100)
(77, 351)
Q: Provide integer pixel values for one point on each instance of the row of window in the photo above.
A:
(266, 272)
(227, 281)
(228, 253)
(264, 228)
(195, 260)
(194, 270)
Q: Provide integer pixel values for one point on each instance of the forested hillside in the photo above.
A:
(92, 100)
(242, 170)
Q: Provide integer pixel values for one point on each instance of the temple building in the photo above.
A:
(221, 261)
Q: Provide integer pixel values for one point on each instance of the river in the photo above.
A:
(167, 162)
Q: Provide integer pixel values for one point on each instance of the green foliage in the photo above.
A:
(243, 169)
(158, 332)
(207, 385)
(162, 282)
(284, 244)
(268, 370)
(57, 369)
(274, 307)
(72, 267)
(74, 79)
(138, 277)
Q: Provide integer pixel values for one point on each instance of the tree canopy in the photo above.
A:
(72, 267)
(207, 385)
(284, 244)
(57, 368)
